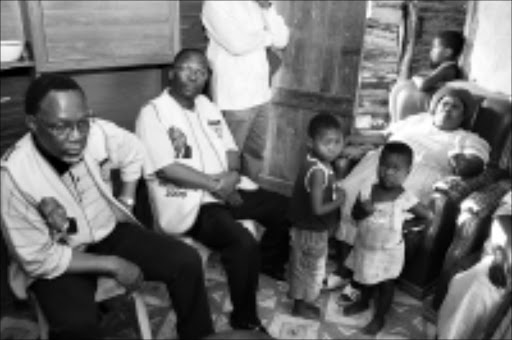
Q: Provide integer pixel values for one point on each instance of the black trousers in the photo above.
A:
(68, 300)
(217, 228)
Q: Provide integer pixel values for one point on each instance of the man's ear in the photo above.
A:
(448, 53)
(31, 122)
(309, 142)
(171, 73)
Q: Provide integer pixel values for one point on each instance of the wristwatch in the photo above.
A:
(127, 201)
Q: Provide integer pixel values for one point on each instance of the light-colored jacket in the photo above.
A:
(27, 177)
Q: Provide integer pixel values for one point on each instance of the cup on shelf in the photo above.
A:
(10, 50)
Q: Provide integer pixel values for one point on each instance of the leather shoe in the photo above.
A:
(254, 326)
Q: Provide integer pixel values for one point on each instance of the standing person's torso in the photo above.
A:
(239, 81)
(301, 210)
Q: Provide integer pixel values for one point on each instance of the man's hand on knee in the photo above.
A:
(126, 273)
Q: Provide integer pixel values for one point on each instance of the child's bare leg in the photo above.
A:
(342, 251)
(383, 300)
(309, 255)
(362, 304)
(398, 88)
(410, 101)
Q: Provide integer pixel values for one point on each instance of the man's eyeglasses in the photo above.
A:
(200, 73)
(64, 129)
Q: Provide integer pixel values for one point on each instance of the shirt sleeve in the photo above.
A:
(27, 235)
(277, 27)
(124, 149)
(469, 144)
(231, 32)
(409, 200)
(154, 137)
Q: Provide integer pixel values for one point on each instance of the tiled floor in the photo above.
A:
(405, 320)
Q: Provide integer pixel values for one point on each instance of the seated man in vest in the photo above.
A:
(65, 228)
(197, 195)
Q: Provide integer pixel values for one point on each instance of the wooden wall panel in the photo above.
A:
(11, 24)
(325, 46)
(118, 95)
(191, 28)
(319, 73)
(12, 115)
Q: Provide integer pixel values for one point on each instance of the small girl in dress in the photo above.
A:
(380, 211)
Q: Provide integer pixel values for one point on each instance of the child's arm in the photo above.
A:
(441, 74)
(362, 209)
(466, 166)
(316, 184)
(423, 215)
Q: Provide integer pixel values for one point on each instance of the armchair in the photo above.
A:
(425, 250)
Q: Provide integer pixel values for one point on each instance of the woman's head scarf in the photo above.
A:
(463, 95)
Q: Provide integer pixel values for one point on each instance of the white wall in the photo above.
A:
(490, 59)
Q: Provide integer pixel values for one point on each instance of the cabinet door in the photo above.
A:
(319, 73)
(70, 35)
(13, 86)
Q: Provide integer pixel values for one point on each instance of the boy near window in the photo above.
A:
(412, 95)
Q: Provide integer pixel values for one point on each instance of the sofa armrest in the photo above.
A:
(474, 220)
(457, 188)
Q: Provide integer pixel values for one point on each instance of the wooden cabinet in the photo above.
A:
(320, 73)
(12, 112)
(74, 35)
(11, 23)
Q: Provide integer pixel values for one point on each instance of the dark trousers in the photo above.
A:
(382, 293)
(217, 228)
(68, 300)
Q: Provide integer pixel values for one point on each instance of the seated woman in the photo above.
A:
(438, 139)
(442, 147)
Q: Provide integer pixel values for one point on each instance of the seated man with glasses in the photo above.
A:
(64, 228)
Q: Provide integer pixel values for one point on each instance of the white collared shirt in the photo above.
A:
(239, 33)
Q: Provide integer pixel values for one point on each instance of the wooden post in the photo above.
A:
(407, 39)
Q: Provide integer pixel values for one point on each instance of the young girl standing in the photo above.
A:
(314, 212)
(378, 254)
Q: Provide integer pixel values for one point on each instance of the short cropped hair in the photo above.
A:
(398, 148)
(322, 122)
(44, 84)
(187, 52)
(453, 40)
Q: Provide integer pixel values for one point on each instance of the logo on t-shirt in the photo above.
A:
(179, 142)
